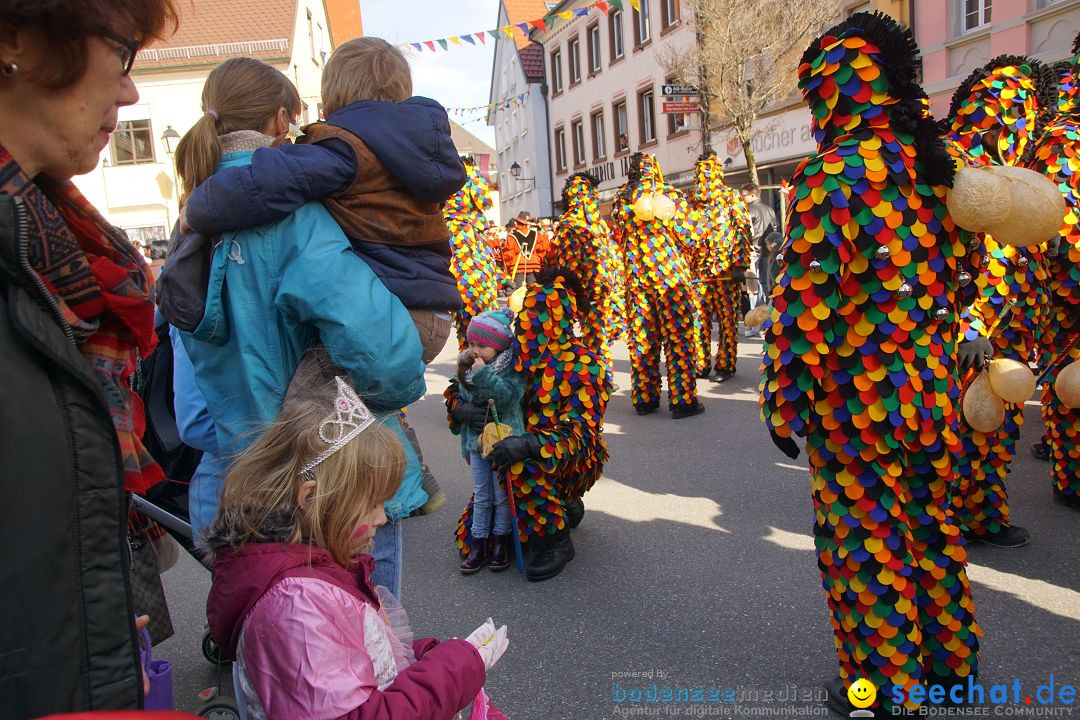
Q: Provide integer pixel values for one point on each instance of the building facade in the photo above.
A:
(957, 36)
(605, 74)
(517, 77)
(135, 184)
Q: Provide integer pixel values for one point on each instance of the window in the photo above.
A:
(556, 72)
(147, 235)
(615, 33)
(311, 36)
(132, 143)
(641, 24)
(594, 48)
(622, 130)
(676, 123)
(976, 14)
(669, 13)
(573, 49)
(646, 116)
(578, 130)
(560, 150)
(598, 149)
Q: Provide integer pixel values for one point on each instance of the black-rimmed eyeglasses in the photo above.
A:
(129, 48)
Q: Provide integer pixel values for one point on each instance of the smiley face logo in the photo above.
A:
(862, 693)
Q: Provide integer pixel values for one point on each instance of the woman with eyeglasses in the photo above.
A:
(75, 313)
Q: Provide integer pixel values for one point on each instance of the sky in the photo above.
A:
(459, 77)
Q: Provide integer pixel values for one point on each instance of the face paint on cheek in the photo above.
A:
(361, 532)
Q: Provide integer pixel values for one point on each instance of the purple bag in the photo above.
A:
(160, 696)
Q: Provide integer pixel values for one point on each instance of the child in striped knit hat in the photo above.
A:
(486, 372)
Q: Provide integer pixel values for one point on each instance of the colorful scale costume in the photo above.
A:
(661, 303)
(584, 246)
(472, 262)
(994, 120)
(860, 359)
(719, 261)
(566, 395)
(1057, 155)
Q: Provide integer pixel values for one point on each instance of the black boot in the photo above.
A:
(575, 511)
(550, 560)
(678, 412)
(647, 408)
(1008, 536)
(1072, 501)
(478, 557)
(724, 375)
(501, 550)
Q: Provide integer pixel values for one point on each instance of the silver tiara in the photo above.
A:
(348, 420)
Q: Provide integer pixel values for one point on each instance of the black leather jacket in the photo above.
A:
(67, 639)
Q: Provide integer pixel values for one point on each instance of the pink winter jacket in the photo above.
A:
(312, 642)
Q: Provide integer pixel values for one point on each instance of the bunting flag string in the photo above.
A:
(480, 38)
(463, 112)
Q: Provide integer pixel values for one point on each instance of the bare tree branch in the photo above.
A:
(748, 52)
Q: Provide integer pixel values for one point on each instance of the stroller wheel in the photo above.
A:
(220, 708)
(213, 652)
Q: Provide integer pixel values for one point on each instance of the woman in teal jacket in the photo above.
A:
(277, 290)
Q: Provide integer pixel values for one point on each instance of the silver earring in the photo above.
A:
(9, 69)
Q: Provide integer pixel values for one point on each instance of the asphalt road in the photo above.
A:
(694, 569)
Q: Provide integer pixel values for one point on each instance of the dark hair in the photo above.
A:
(157, 251)
(750, 187)
(66, 24)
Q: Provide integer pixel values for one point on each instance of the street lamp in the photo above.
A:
(171, 138)
(515, 172)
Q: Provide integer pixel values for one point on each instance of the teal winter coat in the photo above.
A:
(507, 389)
(276, 290)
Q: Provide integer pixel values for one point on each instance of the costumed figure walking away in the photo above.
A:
(993, 121)
(859, 359)
(473, 262)
(525, 249)
(584, 246)
(561, 454)
(719, 263)
(653, 230)
(1057, 155)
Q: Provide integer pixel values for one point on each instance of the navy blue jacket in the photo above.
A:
(411, 139)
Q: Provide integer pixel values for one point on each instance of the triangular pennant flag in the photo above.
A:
(567, 14)
(508, 30)
(550, 20)
(455, 40)
(468, 39)
(494, 33)
(581, 12)
(538, 24)
(418, 46)
(636, 4)
(521, 96)
(615, 4)
(442, 43)
(603, 6)
(430, 44)
(524, 27)
(481, 36)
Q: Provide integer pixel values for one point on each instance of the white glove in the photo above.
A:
(489, 642)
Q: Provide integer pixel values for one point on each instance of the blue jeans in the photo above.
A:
(204, 495)
(387, 554)
(488, 491)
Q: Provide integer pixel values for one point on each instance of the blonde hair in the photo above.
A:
(239, 94)
(264, 482)
(366, 68)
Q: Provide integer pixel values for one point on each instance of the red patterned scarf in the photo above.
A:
(102, 289)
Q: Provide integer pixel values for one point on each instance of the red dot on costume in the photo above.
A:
(1027, 700)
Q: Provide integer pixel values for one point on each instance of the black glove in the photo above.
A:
(786, 444)
(974, 353)
(516, 447)
(469, 415)
(738, 273)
